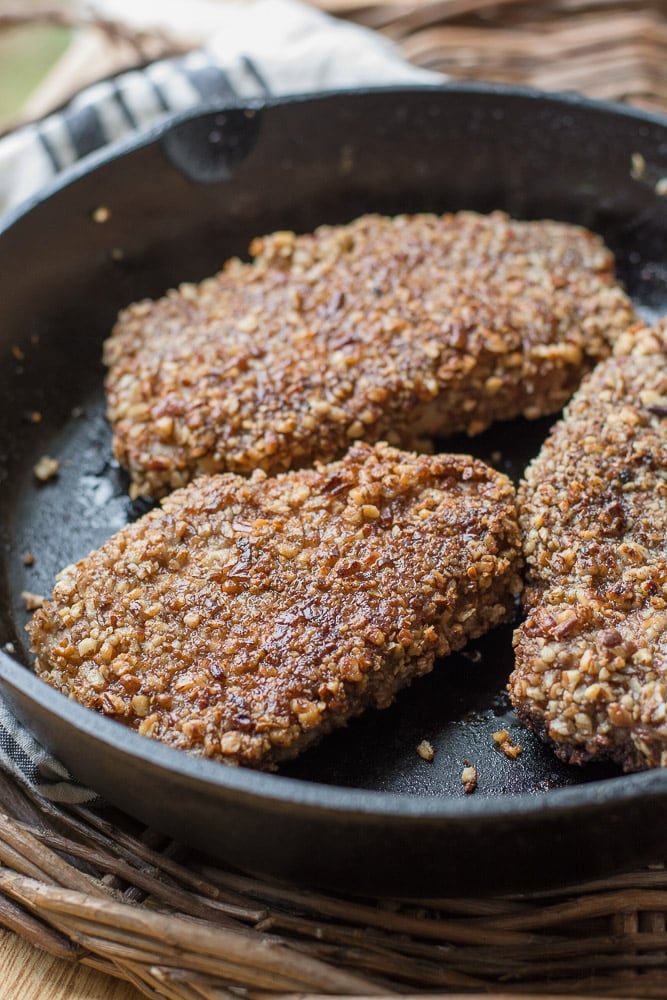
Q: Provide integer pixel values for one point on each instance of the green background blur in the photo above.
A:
(26, 55)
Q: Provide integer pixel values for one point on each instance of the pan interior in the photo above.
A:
(456, 708)
(51, 381)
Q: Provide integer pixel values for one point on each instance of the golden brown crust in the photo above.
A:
(591, 657)
(400, 329)
(248, 617)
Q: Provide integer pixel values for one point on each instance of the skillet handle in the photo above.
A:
(209, 148)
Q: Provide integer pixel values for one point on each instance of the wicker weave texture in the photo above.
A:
(609, 50)
(139, 907)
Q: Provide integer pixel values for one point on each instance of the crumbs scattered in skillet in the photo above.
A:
(387, 328)
(248, 617)
(405, 328)
(591, 657)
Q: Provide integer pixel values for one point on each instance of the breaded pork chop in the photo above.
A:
(388, 328)
(248, 617)
(591, 657)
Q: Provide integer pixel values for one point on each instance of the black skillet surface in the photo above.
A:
(362, 811)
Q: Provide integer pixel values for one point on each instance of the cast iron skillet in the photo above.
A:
(363, 811)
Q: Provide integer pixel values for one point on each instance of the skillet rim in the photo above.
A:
(154, 133)
(342, 800)
(276, 788)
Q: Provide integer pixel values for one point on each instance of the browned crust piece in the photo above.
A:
(248, 617)
(387, 328)
(591, 657)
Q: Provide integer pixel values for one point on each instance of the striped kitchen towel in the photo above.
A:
(262, 48)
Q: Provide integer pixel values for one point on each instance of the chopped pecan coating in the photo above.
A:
(248, 617)
(591, 657)
(387, 328)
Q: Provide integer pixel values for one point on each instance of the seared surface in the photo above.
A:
(248, 617)
(398, 328)
(591, 658)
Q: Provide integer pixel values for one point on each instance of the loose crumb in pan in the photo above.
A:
(46, 468)
(504, 741)
(400, 328)
(591, 657)
(637, 166)
(32, 601)
(248, 617)
(101, 214)
(425, 750)
(469, 777)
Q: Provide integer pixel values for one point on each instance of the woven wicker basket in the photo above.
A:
(83, 886)
(88, 886)
(611, 50)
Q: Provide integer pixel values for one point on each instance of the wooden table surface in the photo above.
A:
(31, 974)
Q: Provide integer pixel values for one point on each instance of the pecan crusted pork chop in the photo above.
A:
(387, 328)
(248, 617)
(591, 657)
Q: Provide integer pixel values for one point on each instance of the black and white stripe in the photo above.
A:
(27, 762)
(115, 109)
(110, 110)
